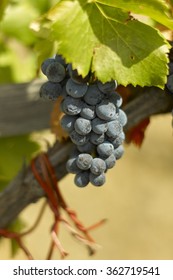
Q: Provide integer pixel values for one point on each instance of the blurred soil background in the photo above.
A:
(137, 201)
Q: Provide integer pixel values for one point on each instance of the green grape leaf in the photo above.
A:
(14, 152)
(155, 9)
(106, 40)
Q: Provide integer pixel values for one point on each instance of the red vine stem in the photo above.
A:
(16, 236)
(51, 197)
(26, 251)
(52, 190)
(64, 205)
(51, 181)
(56, 241)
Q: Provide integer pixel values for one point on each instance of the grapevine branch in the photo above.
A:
(24, 188)
(22, 102)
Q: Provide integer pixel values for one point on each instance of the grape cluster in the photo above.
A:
(92, 118)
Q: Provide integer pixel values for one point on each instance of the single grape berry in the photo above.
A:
(118, 152)
(76, 90)
(105, 149)
(106, 110)
(98, 166)
(122, 117)
(72, 167)
(97, 180)
(84, 161)
(114, 128)
(97, 139)
(67, 122)
(110, 161)
(82, 179)
(50, 91)
(93, 96)
(72, 106)
(82, 126)
(78, 139)
(88, 112)
(99, 126)
(55, 72)
(45, 64)
(118, 140)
